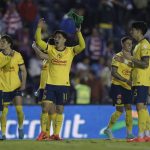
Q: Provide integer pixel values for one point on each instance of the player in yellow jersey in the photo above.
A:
(12, 85)
(43, 79)
(141, 78)
(4, 59)
(57, 86)
(121, 89)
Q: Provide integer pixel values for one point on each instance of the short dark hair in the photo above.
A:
(125, 38)
(8, 39)
(140, 25)
(62, 33)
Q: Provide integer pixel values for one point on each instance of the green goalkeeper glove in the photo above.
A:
(77, 19)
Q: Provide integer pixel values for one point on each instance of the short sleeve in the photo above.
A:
(114, 62)
(20, 59)
(145, 50)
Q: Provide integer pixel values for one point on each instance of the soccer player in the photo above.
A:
(43, 79)
(140, 78)
(121, 89)
(12, 85)
(4, 59)
(57, 86)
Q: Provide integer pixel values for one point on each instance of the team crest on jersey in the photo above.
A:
(59, 56)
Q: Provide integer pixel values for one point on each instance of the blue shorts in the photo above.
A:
(57, 94)
(140, 94)
(8, 97)
(120, 95)
(40, 95)
(1, 101)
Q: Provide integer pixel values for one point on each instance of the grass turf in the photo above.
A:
(88, 144)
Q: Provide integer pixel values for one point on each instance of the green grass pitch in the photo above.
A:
(80, 144)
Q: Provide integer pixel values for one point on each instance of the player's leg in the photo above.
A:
(48, 97)
(113, 119)
(147, 130)
(51, 113)
(51, 119)
(116, 95)
(18, 101)
(20, 114)
(128, 100)
(4, 120)
(140, 97)
(129, 121)
(44, 120)
(61, 99)
(7, 99)
(58, 121)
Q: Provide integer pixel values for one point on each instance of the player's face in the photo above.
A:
(127, 45)
(134, 33)
(4, 44)
(59, 40)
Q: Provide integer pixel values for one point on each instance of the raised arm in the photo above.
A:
(38, 38)
(81, 46)
(39, 52)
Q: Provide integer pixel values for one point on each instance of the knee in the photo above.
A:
(140, 107)
(128, 107)
(52, 110)
(44, 110)
(59, 109)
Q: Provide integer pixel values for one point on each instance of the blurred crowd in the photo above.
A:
(105, 22)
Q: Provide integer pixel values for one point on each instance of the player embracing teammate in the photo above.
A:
(139, 62)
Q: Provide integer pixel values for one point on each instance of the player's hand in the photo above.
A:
(119, 58)
(127, 55)
(22, 87)
(41, 23)
(78, 29)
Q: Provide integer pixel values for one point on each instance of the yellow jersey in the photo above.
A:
(3, 61)
(44, 74)
(59, 61)
(124, 70)
(141, 76)
(59, 65)
(11, 80)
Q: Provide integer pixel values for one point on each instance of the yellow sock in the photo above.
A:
(115, 116)
(141, 122)
(48, 125)
(44, 119)
(129, 121)
(59, 120)
(53, 117)
(147, 120)
(3, 120)
(20, 115)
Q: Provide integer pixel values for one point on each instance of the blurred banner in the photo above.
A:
(79, 122)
